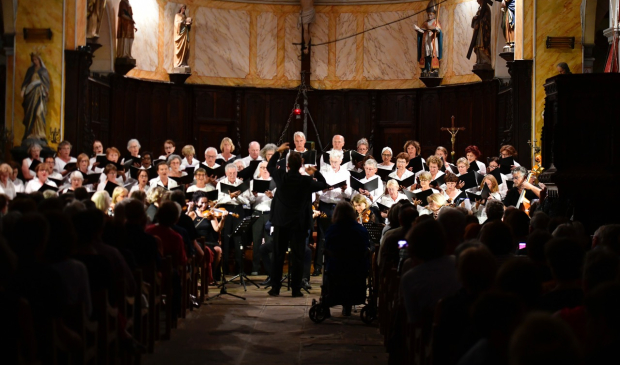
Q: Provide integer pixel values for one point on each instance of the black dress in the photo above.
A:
(205, 229)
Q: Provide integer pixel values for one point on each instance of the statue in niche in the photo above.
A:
(125, 32)
(182, 25)
(430, 42)
(307, 15)
(508, 24)
(481, 40)
(35, 91)
(95, 13)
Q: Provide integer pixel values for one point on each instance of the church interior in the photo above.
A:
(539, 76)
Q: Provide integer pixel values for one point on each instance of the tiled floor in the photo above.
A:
(268, 330)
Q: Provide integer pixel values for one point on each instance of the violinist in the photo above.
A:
(208, 225)
(364, 215)
(519, 176)
(401, 172)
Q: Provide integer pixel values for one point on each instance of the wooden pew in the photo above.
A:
(141, 314)
(107, 316)
(152, 283)
(166, 295)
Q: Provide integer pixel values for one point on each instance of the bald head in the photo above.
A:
(338, 142)
(254, 149)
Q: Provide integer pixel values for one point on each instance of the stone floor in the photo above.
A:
(268, 330)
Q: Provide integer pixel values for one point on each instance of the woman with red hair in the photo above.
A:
(473, 153)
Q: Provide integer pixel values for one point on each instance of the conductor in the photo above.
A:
(291, 215)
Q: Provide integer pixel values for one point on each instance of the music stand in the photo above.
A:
(374, 231)
(222, 287)
(241, 230)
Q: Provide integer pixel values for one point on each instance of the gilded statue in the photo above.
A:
(182, 25)
(95, 13)
(35, 91)
(430, 41)
(125, 32)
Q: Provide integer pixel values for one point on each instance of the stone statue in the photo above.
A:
(307, 16)
(125, 31)
(182, 25)
(481, 40)
(35, 91)
(95, 13)
(430, 41)
(508, 24)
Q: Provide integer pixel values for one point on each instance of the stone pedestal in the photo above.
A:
(123, 65)
(484, 71)
(431, 81)
(180, 74)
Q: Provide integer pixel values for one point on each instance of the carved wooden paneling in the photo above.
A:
(203, 115)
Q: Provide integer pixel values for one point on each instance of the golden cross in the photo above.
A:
(453, 131)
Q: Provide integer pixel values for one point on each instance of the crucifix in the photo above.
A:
(453, 131)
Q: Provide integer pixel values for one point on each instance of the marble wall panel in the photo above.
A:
(390, 52)
(292, 64)
(318, 58)
(345, 50)
(266, 45)
(223, 43)
(144, 50)
(169, 12)
(463, 14)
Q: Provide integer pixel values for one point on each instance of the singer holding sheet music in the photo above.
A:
(334, 174)
(401, 172)
(28, 168)
(370, 168)
(291, 215)
(35, 184)
(232, 200)
(390, 198)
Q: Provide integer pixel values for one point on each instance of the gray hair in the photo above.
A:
(77, 175)
(336, 155)
(250, 144)
(211, 149)
(237, 162)
(174, 157)
(362, 141)
(133, 140)
(268, 147)
(519, 170)
(231, 166)
(371, 162)
(299, 134)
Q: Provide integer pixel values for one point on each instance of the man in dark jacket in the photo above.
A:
(291, 213)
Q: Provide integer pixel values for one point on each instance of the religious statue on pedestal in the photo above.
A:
(307, 16)
(182, 25)
(508, 24)
(430, 41)
(94, 15)
(125, 31)
(35, 91)
(481, 40)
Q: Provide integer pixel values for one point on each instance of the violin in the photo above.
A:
(217, 213)
(365, 216)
